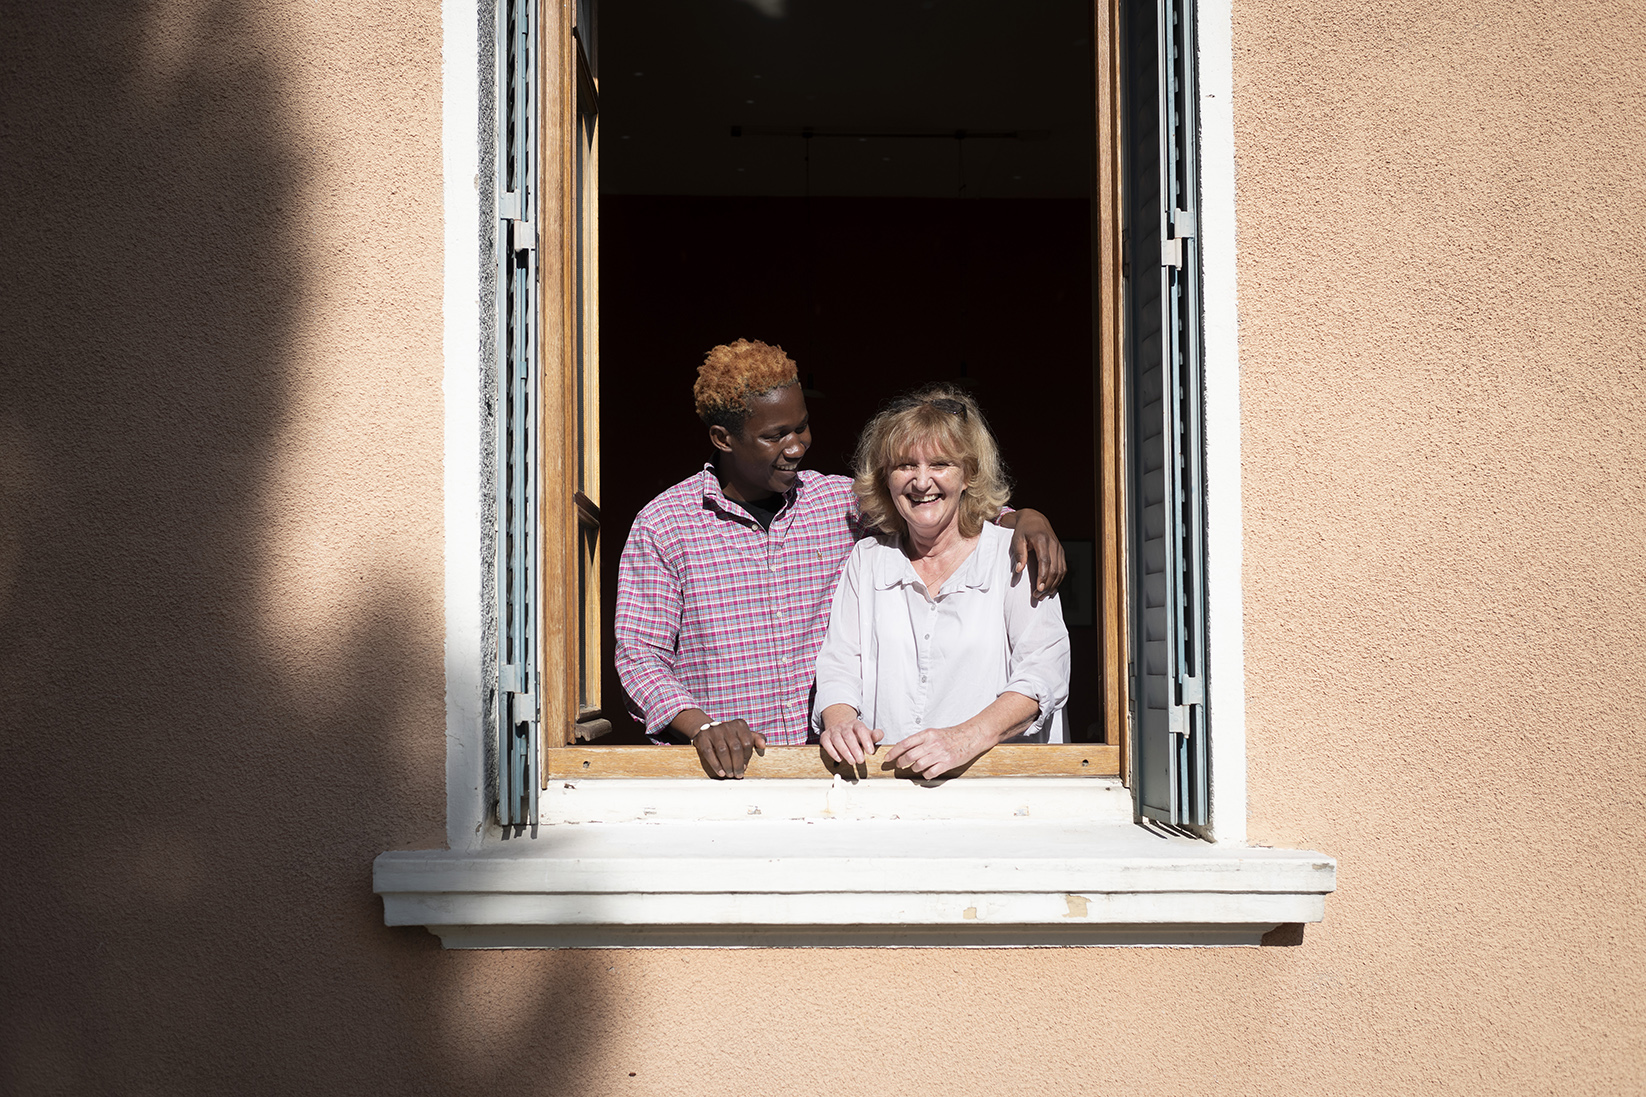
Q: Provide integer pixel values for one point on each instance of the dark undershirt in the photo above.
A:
(761, 510)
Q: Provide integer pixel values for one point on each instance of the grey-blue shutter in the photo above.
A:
(1167, 507)
(518, 689)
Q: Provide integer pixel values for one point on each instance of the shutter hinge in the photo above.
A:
(1191, 691)
(1183, 228)
(511, 682)
(511, 208)
(522, 708)
(522, 236)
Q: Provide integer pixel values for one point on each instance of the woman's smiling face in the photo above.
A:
(925, 486)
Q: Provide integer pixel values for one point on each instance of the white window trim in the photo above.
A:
(1008, 861)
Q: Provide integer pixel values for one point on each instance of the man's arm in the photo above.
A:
(650, 606)
(1032, 533)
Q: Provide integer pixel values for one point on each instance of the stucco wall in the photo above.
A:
(220, 596)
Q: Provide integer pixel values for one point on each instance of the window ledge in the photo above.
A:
(859, 881)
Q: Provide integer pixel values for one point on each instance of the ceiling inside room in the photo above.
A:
(676, 77)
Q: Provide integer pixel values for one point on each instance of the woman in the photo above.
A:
(934, 645)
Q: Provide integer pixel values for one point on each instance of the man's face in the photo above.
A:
(764, 457)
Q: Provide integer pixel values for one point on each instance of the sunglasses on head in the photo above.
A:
(941, 403)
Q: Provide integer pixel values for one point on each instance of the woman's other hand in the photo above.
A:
(1032, 533)
(846, 738)
(935, 751)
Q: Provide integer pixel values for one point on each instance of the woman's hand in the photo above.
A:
(846, 738)
(1031, 533)
(935, 751)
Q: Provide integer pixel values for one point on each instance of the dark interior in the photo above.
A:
(934, 225)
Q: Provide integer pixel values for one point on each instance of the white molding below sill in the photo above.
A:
(851, 883)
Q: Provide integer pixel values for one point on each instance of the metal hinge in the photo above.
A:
(522, 236)
(511, 208)
(511, 683)
(1191, 691)
(1183, 228)
(522, 708)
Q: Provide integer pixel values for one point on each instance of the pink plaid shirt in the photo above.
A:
(715, 613)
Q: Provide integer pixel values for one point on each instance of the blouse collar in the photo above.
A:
(976, 572)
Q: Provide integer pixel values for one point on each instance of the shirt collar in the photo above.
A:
(976, 573)
(714, 495)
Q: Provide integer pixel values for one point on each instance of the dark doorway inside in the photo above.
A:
(895, 192)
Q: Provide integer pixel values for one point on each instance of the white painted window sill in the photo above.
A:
(812, 863)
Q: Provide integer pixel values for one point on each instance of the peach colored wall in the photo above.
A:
(220, 596)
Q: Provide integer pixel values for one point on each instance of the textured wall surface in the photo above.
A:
(220, 603)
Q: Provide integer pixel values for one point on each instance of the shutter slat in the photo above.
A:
(1164, 313)
(518, 694)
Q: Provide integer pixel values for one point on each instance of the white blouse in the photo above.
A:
(907, 661)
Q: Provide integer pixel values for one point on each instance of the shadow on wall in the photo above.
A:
(221, 678)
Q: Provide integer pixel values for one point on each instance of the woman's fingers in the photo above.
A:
(829, 745)
(930, 753)
(866, 740)
(852, 743)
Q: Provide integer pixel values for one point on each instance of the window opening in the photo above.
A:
(800, 139)
(894, 196)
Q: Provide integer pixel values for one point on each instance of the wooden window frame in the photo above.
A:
(571, 542)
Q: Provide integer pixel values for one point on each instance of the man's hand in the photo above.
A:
(846, 738)
(1032, 533)
(723, 746)
(935, 751)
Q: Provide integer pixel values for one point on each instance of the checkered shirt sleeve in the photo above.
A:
(714, 612)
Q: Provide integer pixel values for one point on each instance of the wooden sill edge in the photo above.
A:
(1010, 760)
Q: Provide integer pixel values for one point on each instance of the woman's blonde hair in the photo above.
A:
(947, 421)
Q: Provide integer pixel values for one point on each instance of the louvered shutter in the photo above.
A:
(1168, 573)
(519, 657)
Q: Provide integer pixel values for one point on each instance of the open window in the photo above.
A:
(1028, 233)
(658, 863)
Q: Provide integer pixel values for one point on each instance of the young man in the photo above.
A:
(724, 587)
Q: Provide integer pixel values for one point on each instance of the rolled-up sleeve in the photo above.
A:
(1038, 645)
(650, 604)
(840, 659)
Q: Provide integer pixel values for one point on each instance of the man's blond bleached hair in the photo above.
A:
(735, 373)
